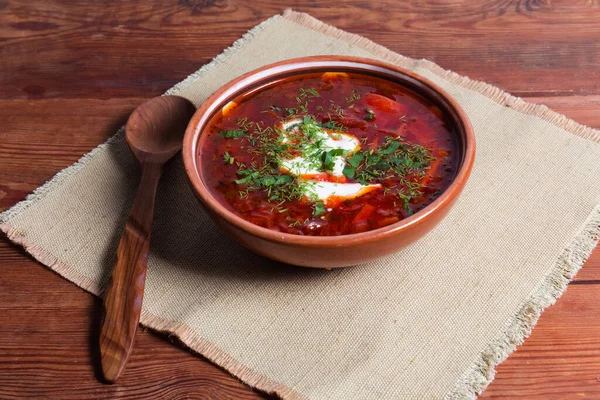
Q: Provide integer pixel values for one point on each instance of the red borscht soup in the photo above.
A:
(328, 154)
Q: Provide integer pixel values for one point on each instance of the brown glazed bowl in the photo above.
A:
(329, 251)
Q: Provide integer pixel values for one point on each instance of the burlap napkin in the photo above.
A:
(429, 322)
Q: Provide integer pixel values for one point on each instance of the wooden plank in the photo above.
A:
(116, 49)
(560, 360)
(41, 137)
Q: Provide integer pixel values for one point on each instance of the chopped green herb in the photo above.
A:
(370, 115)
(335, 108)
(328, 125)
(227, 159)
(277, 185)
(313, 92)
(405, 203)
(391, 147)
(332, 125)
(349, 171)
(304, 94)
(393, 158)
(328, 158)
(319, 208)
(245, 124)
(295, 224)
(356, 159)
(232, 134)
(353, 97)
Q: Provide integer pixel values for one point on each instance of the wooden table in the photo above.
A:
(72, 70)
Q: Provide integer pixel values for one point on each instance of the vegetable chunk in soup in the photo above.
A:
(328, 154)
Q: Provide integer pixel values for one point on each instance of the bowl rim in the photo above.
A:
(305, 65)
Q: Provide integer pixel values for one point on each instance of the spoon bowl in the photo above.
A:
(158, 125)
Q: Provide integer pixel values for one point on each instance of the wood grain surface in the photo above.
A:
(71, 71)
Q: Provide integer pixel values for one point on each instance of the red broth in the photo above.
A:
(403, 147)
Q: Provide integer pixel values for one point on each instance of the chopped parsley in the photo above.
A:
(227, 159)
(328, 158)
(278, 186)
(331, 125)
(370, 115)
(318, 208)
(394, 158)
(232, 134)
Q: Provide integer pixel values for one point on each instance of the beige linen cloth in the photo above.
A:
(431, 321)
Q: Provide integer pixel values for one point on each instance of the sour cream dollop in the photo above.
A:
(307, 165)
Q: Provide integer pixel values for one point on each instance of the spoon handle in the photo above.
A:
(125, 291)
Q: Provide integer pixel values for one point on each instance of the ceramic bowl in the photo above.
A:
(329, 251)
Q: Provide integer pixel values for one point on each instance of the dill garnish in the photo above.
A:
(318, 208)
(336, 108)
(244, 124)
(355, 95)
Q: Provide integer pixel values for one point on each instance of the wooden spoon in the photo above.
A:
(154, 133)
